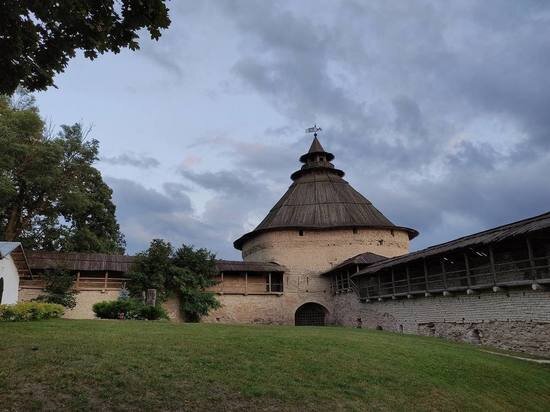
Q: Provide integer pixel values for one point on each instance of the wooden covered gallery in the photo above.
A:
(249, 278)
(340, 275)
(513, 255)
(102, 272)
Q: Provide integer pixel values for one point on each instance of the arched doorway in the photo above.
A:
(310, 314)
(1, 288)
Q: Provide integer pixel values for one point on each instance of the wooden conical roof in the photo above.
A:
(319, 198)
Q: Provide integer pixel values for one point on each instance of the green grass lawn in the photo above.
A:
(130, 365)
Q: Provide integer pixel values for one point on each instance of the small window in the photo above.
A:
(301, 232)
(355, 231)
(274, 282)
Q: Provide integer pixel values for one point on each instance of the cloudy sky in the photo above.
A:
(439, 112)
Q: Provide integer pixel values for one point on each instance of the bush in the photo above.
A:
(59, 289)
(30, 311)
(128, 309)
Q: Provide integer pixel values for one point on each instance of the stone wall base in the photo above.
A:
(516, 320)
(529, 337)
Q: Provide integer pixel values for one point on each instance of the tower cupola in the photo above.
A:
(316, 159)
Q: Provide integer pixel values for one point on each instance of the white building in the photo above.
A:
(13, 264)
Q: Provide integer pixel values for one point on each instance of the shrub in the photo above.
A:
(59, 289)
(30, 311)
(128, 309)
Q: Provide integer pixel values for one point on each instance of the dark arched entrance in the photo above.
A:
(310, 314)
(1, 288)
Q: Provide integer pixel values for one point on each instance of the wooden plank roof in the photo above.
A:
(367, 258)
(240, 266)
(485, 237)
(319, 198)
(79, 261)
(122, 263)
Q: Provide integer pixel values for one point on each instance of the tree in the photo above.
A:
(37, 38)
(186, 272)
(152, 269)
(51, 195)
(196, 273)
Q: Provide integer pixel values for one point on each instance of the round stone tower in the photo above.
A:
(320, 221)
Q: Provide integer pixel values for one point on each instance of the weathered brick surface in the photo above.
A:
(519, 319)
(318, 250)
(530, 337)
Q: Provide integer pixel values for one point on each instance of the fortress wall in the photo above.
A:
(518, 320)
(267, 309)
(85, 299)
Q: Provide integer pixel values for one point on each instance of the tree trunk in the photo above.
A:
(13, 227)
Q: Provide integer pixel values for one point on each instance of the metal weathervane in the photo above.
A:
(313, 130)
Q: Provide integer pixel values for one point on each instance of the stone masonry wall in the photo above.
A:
(84, 301)
(517, 320)
(318, 250)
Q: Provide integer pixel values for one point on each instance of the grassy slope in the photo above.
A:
(151, 365)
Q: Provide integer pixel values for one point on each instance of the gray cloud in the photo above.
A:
(239, 199)
(132, 159)
(437, 112)
(415, 98)
(145, 214)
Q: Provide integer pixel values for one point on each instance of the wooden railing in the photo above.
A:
(533, 271)
(81, 283)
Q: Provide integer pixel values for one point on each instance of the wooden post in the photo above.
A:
(444, 274)
(467, 263)
(246, 283)
(105, 282)
(78, 280)
(426, 274)
(492, 264)
(269, 282)
(349, 280)
(221, 286)
(531, 259)
(392, 281)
